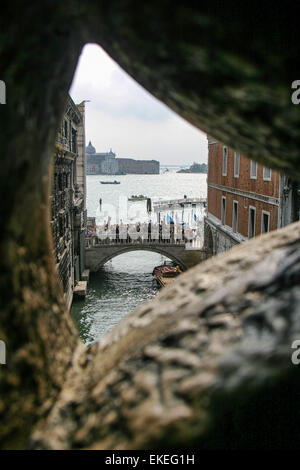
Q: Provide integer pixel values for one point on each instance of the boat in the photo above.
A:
(166, 273)
(110, 182)
(141, 197)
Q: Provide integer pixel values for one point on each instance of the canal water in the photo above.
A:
(126, 281)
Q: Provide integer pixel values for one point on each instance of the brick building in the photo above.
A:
(138, 167)
(68, 198)
(245, 199)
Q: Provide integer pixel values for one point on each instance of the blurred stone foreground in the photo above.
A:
(207, 363)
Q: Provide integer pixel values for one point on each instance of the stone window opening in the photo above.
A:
(74, 140)
(66, 129)
(61, 226)
(60, 182)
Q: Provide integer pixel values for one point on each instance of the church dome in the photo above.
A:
(90, 149)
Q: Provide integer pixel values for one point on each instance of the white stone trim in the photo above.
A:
(240, 192)
(216, 223)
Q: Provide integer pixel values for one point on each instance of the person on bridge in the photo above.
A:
(122, 232)
(149, 231)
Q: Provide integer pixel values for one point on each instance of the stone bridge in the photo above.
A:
(98, 253)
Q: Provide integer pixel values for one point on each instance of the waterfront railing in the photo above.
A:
(175, 202)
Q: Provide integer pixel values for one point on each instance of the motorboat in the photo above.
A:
(110, 182)
(141, 197)
(166, 273)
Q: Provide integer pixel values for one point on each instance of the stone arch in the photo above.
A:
(181, 71)
(120, 251)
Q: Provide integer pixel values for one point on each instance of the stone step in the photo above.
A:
(80, 289)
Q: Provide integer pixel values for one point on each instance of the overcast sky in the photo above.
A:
(125, 117)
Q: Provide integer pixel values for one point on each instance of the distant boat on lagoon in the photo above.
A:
(141, 197)
(110, 182)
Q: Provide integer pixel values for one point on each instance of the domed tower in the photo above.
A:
(90, 149)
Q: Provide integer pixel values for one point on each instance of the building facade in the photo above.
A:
(244, 199)
(138, 167)
(108, 164)
(68, 198)
(100, 163)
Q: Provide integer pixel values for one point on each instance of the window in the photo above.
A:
(265, 222)
(60, 182)
(253, 169)
(235, 217)
(223, 211)
(224, 166)
(66, 128)
(236, 171)
(251, 222)
(60, 225)
(266, 174)
(74, 140)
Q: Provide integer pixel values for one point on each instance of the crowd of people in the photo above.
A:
(143, 232)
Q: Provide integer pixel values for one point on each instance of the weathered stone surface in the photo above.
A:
(189, 371)
(228, 70)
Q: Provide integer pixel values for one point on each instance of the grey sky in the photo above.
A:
(125, 117)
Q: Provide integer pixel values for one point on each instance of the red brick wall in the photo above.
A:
(245, 183)
(214, 208)
(129, 165)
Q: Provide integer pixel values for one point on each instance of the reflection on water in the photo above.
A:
(114, 291)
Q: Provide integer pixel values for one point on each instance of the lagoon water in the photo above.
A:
(126, 281)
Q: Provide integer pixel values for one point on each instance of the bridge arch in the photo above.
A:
(96, 257)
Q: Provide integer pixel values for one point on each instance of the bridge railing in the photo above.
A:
(189, 200)
(156, 234)
(94, 240)
(171, 203)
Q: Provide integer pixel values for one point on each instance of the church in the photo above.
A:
(100, 163)
(108, 164)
